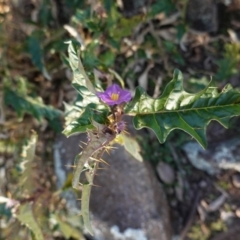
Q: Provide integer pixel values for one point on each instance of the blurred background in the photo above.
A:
(179, 191)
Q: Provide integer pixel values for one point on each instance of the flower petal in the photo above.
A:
(113, 89)
(124, 95)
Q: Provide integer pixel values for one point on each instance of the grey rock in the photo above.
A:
(222, 155)
(129, 204)
(236, 180)
(226, 216)
(202, 15)
(131, 7)
(203, 184)
(217, 203)
(234, 5)
(165, 172)
(237, 212)
(232, 233)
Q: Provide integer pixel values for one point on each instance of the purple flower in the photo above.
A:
(114, 95)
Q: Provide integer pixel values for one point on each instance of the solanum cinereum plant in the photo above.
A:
(99, 113)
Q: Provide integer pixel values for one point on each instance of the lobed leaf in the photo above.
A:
(83, 123)
(36, 52)
(131, 145)
(80, 78)
(34, 106)
(26, 217)
(87, 105)
(28, 154)
(80, 125)
(67, 229)
(12, 231)
(87, 161)
(97, 142)
(178, 109)
(165, 6)
(86, 191)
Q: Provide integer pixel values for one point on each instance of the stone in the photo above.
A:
(129, 204)
(165, 172)
(221, 155)
(237, 212)
(231, 234)
(131, 7)
(226, 216)
(234, 5)
(236, 180)
(202, 15)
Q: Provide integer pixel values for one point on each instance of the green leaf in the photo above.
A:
(80, 77)
(87, 161)
(124, 27)
(28, 153)
(11, 232)
(80, 81)
(26, 217)
(34, 106)
(97, 141)
(44, 14)
(165, 6)
(87, 106)
(84, 122)
(177, 109)
(36, 52)
(34, 48)
(108, 5)
(86, 190)
(79, 125)
(107, 58)
(228, 66)
(132, 146)
(67, 230)
(5, 211)
(90, 59)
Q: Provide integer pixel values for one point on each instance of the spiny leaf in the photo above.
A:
(79, 125)
(85, 207)
(80, 77)
(124, 27)
(12, 231)
(25, 216)
(86, 191)
(36, 52)
(228, 66)
(26, 104)
(97, 141)
(177, 109)
(4, 210)
(131, 145)
(68, 230)
(26, 180)
(84, 122)
(165, 6)
(34, 48)
(88, 160)
(41, 211)
(78, 116)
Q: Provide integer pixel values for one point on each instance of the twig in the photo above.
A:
(175, 157)
(191, 216)
(2, 115)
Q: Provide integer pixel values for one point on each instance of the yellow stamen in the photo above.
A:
(114, 96)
